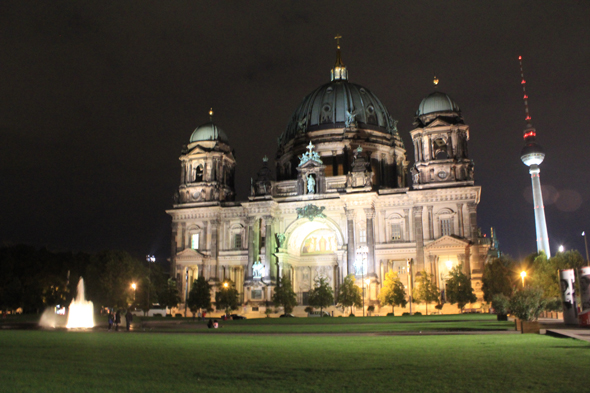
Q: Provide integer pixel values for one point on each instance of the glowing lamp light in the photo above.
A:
(523, 275)
(561, 248)
(225, 285)
(519, 57)
(134, 286)
(449, 265)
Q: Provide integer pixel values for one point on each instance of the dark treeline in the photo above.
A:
(32, 279)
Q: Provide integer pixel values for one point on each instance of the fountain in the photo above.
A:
(81, 312)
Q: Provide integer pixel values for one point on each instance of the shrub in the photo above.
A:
(527, 304)
(439, 306)
(417, 313)
(352, 315)
(308, 309)
(406, 313)
(178, 315)
(371, 308)
(168, 315)
(157, 315)
(501, 304)
(554, 304)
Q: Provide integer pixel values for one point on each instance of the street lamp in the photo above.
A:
(225, 284)
(586, 244)
(561, 248)
(150, 259)
(368, 282)
(134, 286)
(409, 268)
(523, 275)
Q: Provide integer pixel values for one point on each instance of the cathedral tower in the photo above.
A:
(207, 167)
(440, 144)
(532, 155)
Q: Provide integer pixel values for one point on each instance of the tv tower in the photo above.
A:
(532, 155)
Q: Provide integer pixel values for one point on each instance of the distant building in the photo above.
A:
(339, 201)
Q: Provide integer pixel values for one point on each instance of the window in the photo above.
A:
(199, 174)
(446, 226)
(396, 231)
(362, 235)
(401, 269)
(195, 241)
(256, 294)
(238, 241)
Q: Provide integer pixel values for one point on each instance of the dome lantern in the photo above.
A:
(339, 72)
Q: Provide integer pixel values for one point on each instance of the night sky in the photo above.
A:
(98, 97)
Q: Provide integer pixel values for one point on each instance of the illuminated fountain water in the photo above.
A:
(81, 312)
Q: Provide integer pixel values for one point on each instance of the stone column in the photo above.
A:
(350, 247)
(460, 217)
(370, 214)
(472, 209)
(214, 262)
(430, 223)
(419, 233)
(251, 258)
(334, 163)
(407, 232)
(269, 250)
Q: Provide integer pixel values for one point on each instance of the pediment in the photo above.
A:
(447, 242)
(438, 123)
(189, 255)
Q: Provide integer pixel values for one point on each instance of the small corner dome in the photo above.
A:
(437, 102)
(208, 132)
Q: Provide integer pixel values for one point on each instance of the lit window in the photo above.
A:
(195, 241)
(238, 241)
(396, 231)
(363, 236)
(446, 227)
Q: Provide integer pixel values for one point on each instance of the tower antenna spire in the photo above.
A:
(525, 97)
(339, 72)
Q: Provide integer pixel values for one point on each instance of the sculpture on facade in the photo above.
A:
(310, 156)
(310, 184)
(310, 211)
(257, 269)
(350, 118)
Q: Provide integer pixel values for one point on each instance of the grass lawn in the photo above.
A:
(60, 361)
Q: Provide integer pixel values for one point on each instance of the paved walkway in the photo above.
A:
(558, 328)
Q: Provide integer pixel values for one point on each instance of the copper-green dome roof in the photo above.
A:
(208, 132)
(335, 103)
(437, 102)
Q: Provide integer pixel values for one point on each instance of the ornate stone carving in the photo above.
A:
(310, 156)
(310, 211)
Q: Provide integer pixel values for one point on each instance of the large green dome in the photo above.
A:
(333, 104)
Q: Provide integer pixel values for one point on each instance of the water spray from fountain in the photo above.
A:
(81, 312)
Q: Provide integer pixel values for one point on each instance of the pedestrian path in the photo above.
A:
(558, 328)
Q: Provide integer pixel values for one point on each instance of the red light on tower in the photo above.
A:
(523, 82)
(519, 57)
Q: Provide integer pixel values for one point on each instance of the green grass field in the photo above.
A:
(100, 361)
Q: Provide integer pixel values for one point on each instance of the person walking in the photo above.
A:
(110, 319)
(128, 319)
(117, 320)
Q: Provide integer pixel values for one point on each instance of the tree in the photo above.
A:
(284, 295)
(322, 295)
(349, 294)
(169, 296)
(459, 288)
(528, 303)
(227, 297)
(497, 278)
(544, 272)
(393, 292)
(199, 296)
(426, 290)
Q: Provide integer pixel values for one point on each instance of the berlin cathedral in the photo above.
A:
(342, 199)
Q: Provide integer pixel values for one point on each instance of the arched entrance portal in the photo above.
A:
(314, 250)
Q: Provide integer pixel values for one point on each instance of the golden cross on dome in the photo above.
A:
(337, 38)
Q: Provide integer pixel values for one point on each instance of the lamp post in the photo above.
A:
(363, 283)
(586, 244)
(368, 282)
(409, 266)
(150, 259)
(523, 275)
(134, 286)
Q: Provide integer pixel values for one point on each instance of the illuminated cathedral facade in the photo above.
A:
(343, 199)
